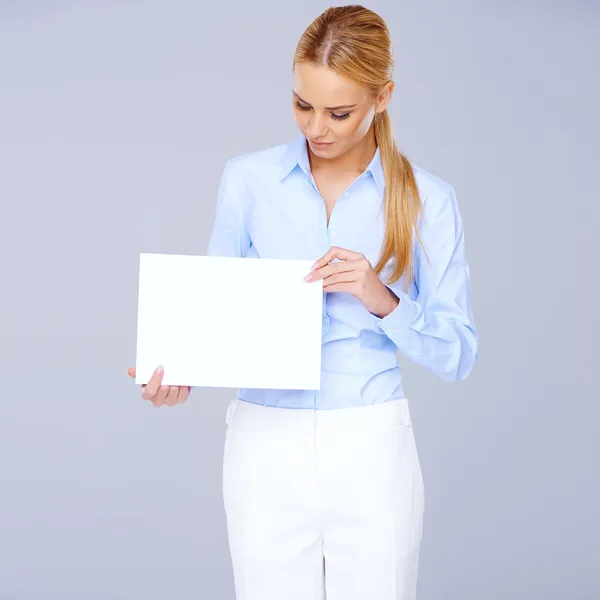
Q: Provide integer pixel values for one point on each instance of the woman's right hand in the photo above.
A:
(159, 394)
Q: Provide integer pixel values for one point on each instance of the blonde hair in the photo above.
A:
(356, 43)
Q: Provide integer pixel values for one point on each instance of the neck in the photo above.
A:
(353, 161)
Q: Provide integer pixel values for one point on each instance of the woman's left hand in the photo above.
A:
(354, 274)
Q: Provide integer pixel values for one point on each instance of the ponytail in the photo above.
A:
(402, 204)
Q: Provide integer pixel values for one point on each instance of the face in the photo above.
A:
(331, 109)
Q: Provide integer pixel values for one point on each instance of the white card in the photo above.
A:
(229, 322)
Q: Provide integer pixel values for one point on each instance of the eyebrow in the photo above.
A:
(327, 107)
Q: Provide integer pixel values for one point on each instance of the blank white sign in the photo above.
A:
(229, 322)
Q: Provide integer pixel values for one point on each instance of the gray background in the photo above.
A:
(116, 119)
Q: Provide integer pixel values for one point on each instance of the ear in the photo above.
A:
(384, 97)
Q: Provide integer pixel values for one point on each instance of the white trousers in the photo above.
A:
(323, 503)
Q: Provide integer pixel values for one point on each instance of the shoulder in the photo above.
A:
(432, 189)
(257, 163)
(438, 197)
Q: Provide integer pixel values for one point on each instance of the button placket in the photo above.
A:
(333, 235)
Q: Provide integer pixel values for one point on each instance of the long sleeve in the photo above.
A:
(229, 236)
(436, 329)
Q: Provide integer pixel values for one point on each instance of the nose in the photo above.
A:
(316, 127)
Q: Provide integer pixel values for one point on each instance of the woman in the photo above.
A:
(323, 490)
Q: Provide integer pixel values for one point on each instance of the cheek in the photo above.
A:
(301, 118)
(347, 129)
(364, 123)
(353, 129)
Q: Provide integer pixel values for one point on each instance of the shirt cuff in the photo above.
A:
(400, 318)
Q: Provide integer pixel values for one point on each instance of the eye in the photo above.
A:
(301, 106)
(333, 115)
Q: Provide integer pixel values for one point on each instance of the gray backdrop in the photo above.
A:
(116, 119)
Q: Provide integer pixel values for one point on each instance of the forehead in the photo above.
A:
(322, 86)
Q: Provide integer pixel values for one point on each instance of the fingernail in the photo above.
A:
(314, 265)
(160, 369)
(308, 277)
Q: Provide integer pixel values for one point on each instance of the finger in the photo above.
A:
(184, 393)
(148, 393)
(330, 269)
(343, 287)
(347, 277)
(160, 397)
(145, 394)
(155, 381)
(336, 252)
(172, 394)
(131, 372)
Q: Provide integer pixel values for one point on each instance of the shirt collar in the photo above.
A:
(296, 155)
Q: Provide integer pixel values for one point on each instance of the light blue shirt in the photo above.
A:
(269, 207)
